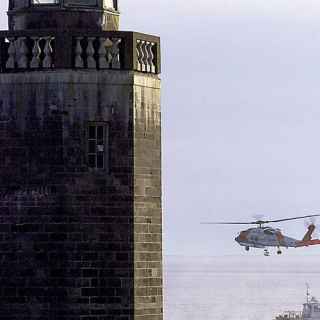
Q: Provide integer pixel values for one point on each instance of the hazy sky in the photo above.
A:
(241, 114)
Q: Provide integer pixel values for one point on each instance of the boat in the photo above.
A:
(310, 311)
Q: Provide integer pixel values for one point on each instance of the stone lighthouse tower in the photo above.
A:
(80, 165)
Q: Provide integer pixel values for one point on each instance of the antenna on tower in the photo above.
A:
(308, 292)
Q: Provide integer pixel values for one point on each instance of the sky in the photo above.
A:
(241, 115)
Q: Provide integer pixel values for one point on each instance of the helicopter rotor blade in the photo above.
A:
(229, 223)
(261, 222)
(289, 219)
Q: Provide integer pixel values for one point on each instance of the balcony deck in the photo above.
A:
(36, 50)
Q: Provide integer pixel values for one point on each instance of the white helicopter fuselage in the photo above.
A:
(264, 237)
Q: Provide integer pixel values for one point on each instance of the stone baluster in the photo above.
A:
(139, 55)
(115, 53)
(145, 56)
(17, 49)
(78, 54)
(109, 52)
(23, 52)
(47, 61)
(103, 63)
(91, 62)
(12, 54)
(152, 67)
(36, 52)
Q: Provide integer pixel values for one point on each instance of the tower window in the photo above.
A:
(97, 145)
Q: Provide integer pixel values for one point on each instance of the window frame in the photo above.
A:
(105, 152)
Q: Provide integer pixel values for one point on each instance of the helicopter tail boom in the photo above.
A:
(308, 243)
(307, 239)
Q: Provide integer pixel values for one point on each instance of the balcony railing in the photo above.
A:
(51, 50)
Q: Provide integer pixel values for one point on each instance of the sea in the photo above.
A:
(237, 287)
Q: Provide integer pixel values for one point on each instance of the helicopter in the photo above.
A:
(264, 237)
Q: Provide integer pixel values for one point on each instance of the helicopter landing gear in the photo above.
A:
(266, 253)
(279, 251)
(247, 248)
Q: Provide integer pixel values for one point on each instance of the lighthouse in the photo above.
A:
(80, 165)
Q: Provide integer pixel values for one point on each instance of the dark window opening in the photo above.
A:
(317, 309)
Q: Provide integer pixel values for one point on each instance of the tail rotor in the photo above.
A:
(313, 228)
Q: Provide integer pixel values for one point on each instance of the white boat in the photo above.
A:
(311, 311)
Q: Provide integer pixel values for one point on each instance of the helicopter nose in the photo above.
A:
(237, 239)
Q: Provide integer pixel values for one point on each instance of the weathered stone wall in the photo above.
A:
(78, 243)
(147, 200)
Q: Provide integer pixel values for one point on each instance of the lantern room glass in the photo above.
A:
(109, 4)
(67, 2)
(45, 2)
(89, 3)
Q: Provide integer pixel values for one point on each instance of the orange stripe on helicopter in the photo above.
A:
(308, 243)
(280, 236)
